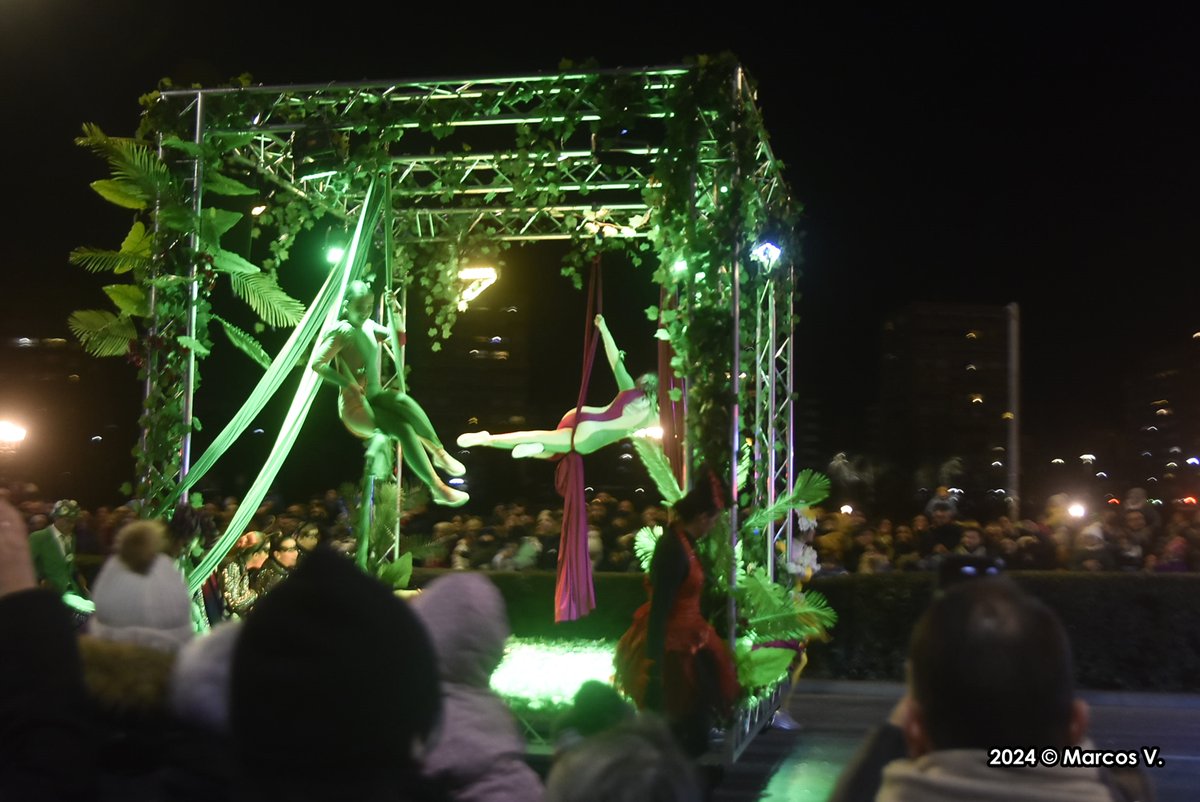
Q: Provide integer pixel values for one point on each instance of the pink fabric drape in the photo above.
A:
(574, 593)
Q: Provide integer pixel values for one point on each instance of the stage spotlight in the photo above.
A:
(475, 281)
(334, 254)
(767, 254)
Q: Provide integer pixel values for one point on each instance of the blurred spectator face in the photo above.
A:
(626, 508)
(256, 560)
(597, 513)
(885, 527)
(287, 553)
(941, 517)
(920, 523)
(994, 532)
(308, 538)
(1135, 520)
(904, 534)
(971, 539)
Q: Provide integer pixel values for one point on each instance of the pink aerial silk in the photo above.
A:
(574, 592)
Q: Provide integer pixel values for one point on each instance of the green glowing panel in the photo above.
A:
(543, 676)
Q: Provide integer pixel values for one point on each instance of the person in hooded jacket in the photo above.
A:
(479, 753)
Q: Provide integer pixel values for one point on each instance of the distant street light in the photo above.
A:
(846, 509)
(11, 436)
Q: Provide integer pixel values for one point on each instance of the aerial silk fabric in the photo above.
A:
(321, 315)
(574, 591)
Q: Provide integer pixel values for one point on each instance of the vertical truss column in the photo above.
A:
(193, 295)
(774, 460)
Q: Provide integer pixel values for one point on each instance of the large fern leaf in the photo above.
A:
(267, 299)
(659, 468)
(133, 163)
(644, 543)
(773, 613)
(102, 333)
(245, 343)
(97, 260)
(811, 488)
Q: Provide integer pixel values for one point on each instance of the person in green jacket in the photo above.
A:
(53, 551)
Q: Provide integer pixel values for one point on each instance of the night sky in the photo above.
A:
(1046, 158)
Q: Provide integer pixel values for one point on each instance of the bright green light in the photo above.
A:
(700, 276)
(540, 674)
(680, 266)
(335, 254)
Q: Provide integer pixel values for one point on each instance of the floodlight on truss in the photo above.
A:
(767, 254)
(475, 281)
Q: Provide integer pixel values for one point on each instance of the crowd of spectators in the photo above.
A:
(332, 687)
(1129, 535)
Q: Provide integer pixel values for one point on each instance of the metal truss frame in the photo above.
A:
(451, 170)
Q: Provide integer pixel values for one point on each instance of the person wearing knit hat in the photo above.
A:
(53, 550)
(479, 754)
(333, 659)
(140, 595)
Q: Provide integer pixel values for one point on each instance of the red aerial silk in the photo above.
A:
(574, 592)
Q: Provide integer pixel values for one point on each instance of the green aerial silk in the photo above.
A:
(321, 315)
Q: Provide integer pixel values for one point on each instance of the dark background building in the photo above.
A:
(944, 407)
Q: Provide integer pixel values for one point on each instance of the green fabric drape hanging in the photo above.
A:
(321, 314)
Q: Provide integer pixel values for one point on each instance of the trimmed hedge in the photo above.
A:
(1128, 631)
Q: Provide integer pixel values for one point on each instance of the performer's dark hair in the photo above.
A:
(991, 666)
(708, 495)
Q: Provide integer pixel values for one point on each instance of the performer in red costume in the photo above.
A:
(635, 407)
(671, 659)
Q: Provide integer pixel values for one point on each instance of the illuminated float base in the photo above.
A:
(539, 678)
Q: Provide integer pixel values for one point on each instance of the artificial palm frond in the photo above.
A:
(267, 299)
(132, 161)
(644, 543)
(102, 333)
(773, 613)
(659, 468)
(98, 260)
(245, 343)
(128, 298)
(811, 488)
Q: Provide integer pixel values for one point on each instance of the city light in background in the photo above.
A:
(11, 435)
